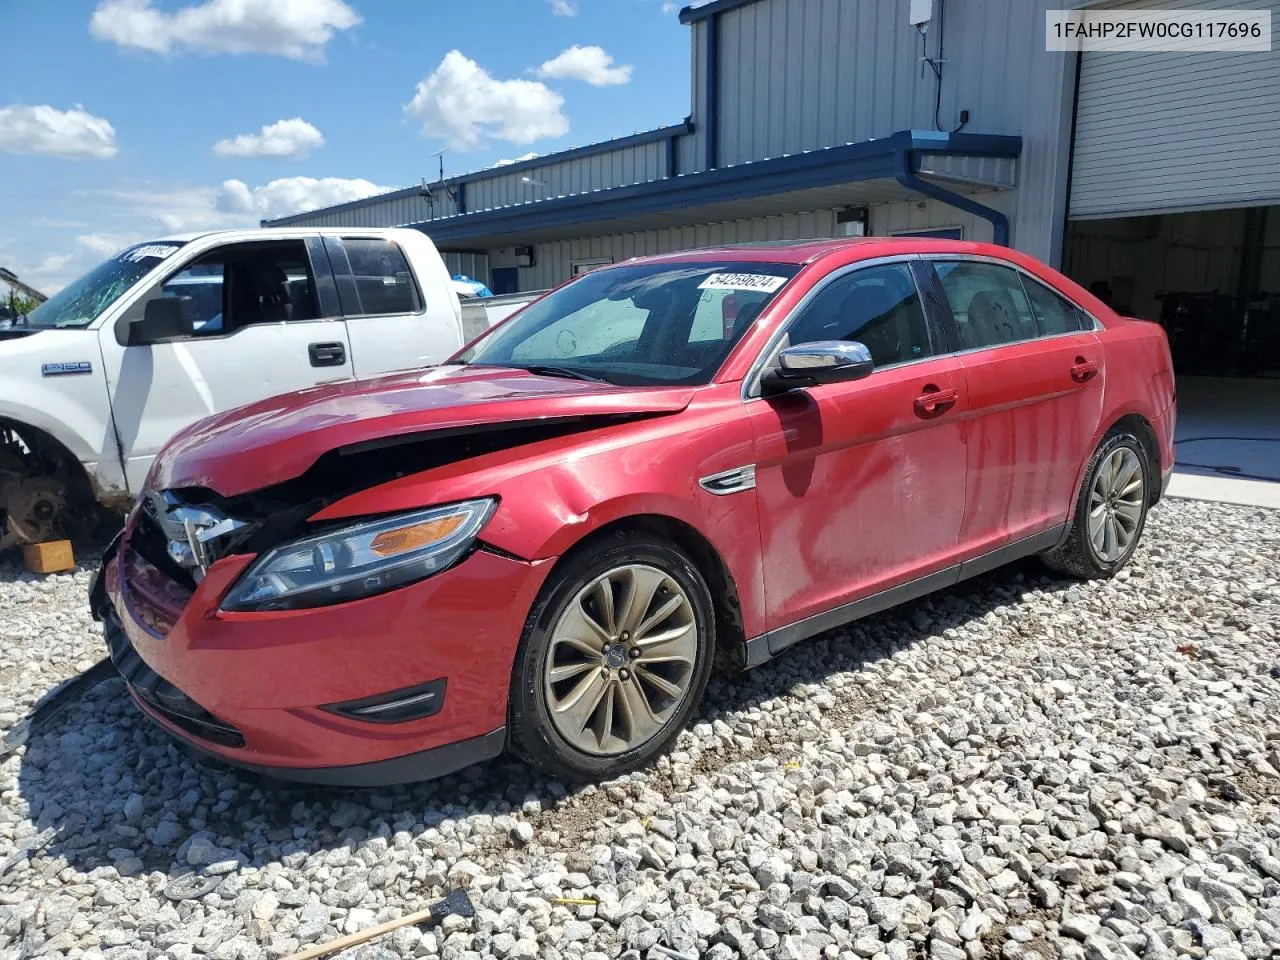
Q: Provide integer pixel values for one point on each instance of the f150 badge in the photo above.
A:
(65, 369)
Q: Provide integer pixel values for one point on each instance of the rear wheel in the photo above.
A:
(1110, 513)
(614, 659)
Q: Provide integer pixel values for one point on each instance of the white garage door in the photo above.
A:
(1161, 132)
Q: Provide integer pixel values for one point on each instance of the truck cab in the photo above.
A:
(167, 332)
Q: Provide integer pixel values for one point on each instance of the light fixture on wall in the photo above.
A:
(852, 222)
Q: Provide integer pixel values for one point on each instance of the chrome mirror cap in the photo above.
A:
(811, 364)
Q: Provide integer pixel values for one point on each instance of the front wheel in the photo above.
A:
(614, 659)
(1110, 513)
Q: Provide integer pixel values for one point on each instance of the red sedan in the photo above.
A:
(540, 545)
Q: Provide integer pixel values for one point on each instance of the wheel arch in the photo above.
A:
(1141, 428)
(47, 446)
(725, 598)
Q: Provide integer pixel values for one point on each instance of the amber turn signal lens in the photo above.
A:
(390, 543)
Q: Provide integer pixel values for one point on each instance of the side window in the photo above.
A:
(722, 313)
(988, 303)
(382, 276)
(877, 306)
(238, 286)
(202, 283)
(1054, 313)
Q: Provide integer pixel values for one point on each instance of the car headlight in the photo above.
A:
(359, 560)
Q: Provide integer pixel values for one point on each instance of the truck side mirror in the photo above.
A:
(165, 318)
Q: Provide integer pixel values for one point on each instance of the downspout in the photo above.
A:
(906, 176)
(713, 91)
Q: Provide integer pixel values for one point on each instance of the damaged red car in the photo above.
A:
(543, 545)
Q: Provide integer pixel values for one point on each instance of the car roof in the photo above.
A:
(806, 251)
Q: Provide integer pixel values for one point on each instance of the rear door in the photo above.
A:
(860, 485)
(395, 321)
(265, 323)
(1034, 370)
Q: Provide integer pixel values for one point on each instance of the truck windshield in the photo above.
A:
(637, 325)
(82, 301)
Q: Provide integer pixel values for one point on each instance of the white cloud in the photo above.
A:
(146, 210)
(297, 29)
(669, 7)
(563, 8)
(290, 195)
(70, 134)
(463, 103)
(284, 138)
(520, 159)
(50, 272)
(589, 64)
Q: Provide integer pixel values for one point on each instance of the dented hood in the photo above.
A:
(279, 439)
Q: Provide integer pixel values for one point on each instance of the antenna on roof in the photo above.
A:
(448, 189)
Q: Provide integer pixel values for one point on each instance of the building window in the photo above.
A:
(578, 267)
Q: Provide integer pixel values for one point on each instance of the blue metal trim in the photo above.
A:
(885, 158)
(905, 175)
(712, 121)
(591, 149)
(693, 14)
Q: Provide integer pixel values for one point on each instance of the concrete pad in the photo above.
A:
(1250, 493)
(1228, 441)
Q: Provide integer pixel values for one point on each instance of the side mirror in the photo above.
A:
(165, 318)
(811, 364)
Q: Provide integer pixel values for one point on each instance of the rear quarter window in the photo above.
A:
(382, 276)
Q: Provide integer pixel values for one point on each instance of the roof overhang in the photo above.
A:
(856, 173)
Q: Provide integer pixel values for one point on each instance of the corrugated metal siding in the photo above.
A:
(473, 265)
(996, 171)
(1169, 131)
(554, 260)
(805, 74)
(616, 168)
(376, 213)
(891, 218)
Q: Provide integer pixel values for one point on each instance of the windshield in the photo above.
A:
(82, 301)
(648, 324)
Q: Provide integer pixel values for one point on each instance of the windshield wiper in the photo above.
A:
(566, 372)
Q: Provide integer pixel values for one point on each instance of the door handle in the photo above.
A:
(327, 354)
(1083, 370)
(933, 401)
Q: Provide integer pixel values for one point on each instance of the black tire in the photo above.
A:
(531, 735)
(1077, 555)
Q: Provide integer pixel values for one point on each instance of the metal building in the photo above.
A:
(1147, 176)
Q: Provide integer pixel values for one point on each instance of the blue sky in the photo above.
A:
(126, 119)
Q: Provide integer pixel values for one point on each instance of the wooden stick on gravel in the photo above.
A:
(455, 903)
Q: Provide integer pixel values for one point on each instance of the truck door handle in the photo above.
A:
(1083, 370)
(933, 401)
(327, 354)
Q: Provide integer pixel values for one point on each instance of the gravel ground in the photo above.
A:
(1021, 766)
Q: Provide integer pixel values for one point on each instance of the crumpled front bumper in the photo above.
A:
(251, 689)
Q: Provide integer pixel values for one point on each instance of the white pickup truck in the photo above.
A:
(164, 333)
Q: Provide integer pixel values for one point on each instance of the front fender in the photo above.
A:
(72, 408)
(557, 492)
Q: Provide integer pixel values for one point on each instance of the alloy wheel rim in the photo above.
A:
(1115, 504)
(621, 660)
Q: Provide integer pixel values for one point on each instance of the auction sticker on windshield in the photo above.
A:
(762, 282)
(149, 251)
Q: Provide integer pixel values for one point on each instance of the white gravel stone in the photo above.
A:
(1020, 767)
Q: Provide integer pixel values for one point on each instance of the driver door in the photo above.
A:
(861, 484)
(259, 330)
